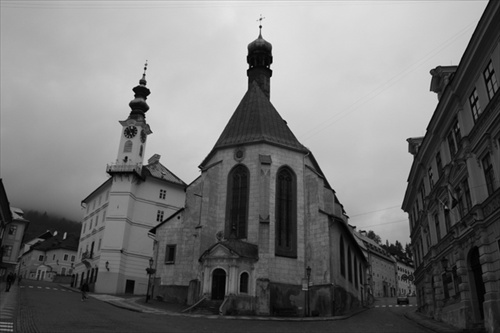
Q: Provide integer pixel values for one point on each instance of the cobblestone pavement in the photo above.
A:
(8, 308)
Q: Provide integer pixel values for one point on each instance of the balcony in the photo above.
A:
(124, 168)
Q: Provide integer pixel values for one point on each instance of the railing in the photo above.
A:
(87, 255)
(111, 168)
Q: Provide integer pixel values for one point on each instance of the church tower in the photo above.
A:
(135, 130)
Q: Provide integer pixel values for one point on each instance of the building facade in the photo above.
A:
(114, 248)
(12, 239)
(49, 258)
(453, 193)
(262, 231)
(406, 277)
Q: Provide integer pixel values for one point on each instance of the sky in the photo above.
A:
(351, 78)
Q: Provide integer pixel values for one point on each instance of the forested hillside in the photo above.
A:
(41, 222)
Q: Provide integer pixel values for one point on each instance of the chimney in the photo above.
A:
(153, 159)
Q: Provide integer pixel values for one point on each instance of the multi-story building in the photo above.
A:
(382, 271)
(50, 257)
(114, 248)
(261, 228)
(406, 278)
(12, 238)
(453, 193)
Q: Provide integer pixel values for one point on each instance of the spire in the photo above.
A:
(259, 59)
(138, 105)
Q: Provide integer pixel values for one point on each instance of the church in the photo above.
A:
(262, 231)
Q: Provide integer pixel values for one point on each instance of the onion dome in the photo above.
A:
(138, 105)
(259, 52)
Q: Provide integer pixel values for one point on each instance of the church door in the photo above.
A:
(476, 281)
(218, 284)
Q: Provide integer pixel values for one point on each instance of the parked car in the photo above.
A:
(403, 300)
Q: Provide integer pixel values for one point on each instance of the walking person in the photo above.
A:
(84, 289)
(10, 278)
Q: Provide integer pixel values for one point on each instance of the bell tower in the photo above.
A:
(134, 131)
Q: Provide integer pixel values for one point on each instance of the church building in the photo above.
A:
(114, 249)
(262, 230)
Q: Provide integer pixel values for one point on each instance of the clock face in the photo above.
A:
(130, 132)
(143, 136)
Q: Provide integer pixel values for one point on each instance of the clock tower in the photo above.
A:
(135, 130)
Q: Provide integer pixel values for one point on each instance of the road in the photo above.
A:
(47, 307)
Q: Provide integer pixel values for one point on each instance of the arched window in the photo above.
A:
(244, 283)
(342, 257)
(141, 150)
(127, 148)
(237, 202)
(286, 213)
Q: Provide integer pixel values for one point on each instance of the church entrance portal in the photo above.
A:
(218, 284)
(476, 282)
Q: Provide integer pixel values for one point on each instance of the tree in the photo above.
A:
(373, 236)
(408, 251)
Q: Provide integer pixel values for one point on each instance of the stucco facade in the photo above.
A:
(453, 193)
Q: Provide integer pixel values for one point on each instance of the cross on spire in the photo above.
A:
(260, 21)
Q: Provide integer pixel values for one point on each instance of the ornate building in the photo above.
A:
(114, 248)
(453, 193)
(262, 231)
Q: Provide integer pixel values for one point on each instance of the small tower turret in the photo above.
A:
(259, 60)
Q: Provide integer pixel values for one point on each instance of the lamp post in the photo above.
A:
(150, 271)
(308, 273)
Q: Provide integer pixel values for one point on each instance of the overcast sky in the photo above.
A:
(351, 78)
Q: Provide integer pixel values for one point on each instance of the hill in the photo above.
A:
(41, 222)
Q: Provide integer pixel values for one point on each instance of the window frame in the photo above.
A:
(170, 254)
(237, 202)
(490, 80)
(475, 105)
(286, 213)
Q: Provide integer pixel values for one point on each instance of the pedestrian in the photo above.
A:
(84, 289)
(10, 277)
(19, 278)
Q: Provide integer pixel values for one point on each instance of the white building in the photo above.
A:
(114, 248)
(406, 278)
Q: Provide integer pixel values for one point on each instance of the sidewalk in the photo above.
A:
(8, 307)
(429, 323)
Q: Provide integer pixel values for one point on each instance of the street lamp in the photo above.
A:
(150, 271)
(308, 273)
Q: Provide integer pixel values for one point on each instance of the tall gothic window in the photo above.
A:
(237, 202)
(286, 213)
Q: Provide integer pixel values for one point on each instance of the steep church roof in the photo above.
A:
(256, 120)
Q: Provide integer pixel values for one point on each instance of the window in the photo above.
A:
(463, 198)
(170, 254)
(488, 174)
(127, 148)
(244, 283)
(141, 150)
(431, 180)
(83, 229)
(73, 258)
(286, 233)
(439, 164)
(237, 202)
(447, 220)
(342, 257)
(355, 272)
(474, 105)
(63, 271)
(7, 251)
(99, 244)
(159, 216)
(66, 256)
(451, 144)
(438, 230)
(53, 257)
(163, 194)
(40, 257)
(96, 220)
(491, 80)
(12, 230)
(349, 263)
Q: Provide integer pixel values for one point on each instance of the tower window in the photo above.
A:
(286, 219)
(127, 148)
(141, 150)
(159, 216)
(237, 202)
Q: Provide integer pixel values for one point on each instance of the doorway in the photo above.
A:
(218, 284)
(129, 286)
(476, 283)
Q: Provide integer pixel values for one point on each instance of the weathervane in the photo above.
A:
(145, 68)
